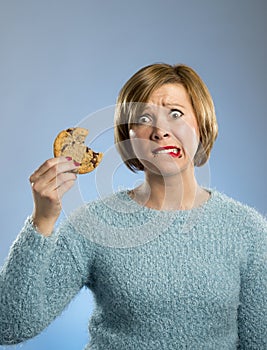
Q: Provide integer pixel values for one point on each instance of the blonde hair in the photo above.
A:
(139, 88)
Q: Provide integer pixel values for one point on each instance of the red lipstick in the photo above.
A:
(171, 150)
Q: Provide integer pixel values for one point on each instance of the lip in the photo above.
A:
(164, 148)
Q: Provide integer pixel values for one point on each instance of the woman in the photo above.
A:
(171, 265)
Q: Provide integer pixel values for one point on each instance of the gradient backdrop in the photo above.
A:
(63, 61)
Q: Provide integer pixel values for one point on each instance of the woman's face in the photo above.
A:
(165, 135)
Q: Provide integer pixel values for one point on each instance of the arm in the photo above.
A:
(43, 271)
(252, 313)
(40, 277)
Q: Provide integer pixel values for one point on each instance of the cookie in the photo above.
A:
(70, 143)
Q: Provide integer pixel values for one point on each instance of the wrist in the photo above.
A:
(42, 225)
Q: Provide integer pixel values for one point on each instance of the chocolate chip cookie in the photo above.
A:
(71, 143)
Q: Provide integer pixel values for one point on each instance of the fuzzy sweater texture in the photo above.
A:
(161, 280)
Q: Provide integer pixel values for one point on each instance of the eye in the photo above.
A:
(144, 119)
(176, 113)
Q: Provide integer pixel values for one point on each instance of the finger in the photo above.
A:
(44, 167)
(64, 177)
(66, 186)
(58, 171)
(44, 189)
(47, 165)
(52, 168)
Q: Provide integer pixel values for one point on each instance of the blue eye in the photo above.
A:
(176, 113)
(144, 119)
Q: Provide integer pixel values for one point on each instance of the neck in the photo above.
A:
(170, 193)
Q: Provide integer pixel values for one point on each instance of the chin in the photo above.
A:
(165, 170)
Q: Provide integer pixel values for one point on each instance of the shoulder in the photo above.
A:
(238, 215)
(102, 206)
(228, 205)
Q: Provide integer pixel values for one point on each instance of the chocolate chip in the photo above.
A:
(70, 131)
(63, 148)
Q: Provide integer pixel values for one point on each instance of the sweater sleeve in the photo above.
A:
(252, 313)
(39, 278)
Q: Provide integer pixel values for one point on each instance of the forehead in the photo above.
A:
(169, 94)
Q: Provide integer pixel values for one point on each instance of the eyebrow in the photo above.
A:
(174, 104)
(166, 105)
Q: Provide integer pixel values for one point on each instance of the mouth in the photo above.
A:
(170, 150)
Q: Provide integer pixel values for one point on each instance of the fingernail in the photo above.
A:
(76, 163)
(69, 158)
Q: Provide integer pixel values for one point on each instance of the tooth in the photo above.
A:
(174, 150)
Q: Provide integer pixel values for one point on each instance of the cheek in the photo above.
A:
(132, 134)
(188, 135)
(140, 143)
(137, 142)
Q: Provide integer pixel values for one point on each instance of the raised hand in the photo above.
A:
(49, 183)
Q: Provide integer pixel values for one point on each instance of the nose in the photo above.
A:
(159, 134)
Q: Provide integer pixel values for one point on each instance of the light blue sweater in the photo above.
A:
(161, 280)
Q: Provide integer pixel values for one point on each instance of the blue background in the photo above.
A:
(62, 61)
